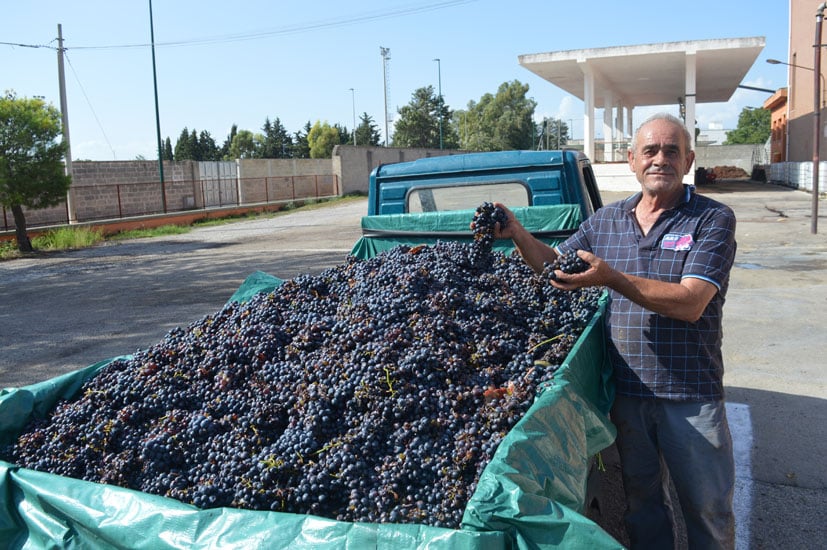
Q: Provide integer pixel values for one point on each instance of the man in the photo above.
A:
(665, 255)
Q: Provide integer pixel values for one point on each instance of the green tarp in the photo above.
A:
(531, 495)
(386, 231)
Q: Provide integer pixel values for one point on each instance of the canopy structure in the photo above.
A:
(624, 77)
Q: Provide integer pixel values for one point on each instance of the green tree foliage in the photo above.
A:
(277, 141)
(207, 148)
(367, 133)
(194, 146)
(500, 122)
(301, 145)
(224, 152)
(32, 173)
(754, 126)
(168, 155)
(345, 135)
(184, 148)
(419, 122)
(322, 138)
(246, 145)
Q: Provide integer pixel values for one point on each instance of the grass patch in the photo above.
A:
(67, 238)
(150, 232)
(8, 250)
(63, 238)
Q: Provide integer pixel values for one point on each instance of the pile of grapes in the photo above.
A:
(376, 391)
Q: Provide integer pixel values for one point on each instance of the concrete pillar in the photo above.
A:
(608, 125)
(588, 109)
(689, 99)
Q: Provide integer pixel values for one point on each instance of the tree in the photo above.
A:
(500, 122)
(246, 145)
(345, 135)
(224, 152)
(207, 149)
(418, 124)
(32, 173)
(184, 147)
(322, 138)
(168, 150)
(367, 133)
(754, 126)
(277, 141)
(301, 146)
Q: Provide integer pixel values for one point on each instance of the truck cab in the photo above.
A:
(459, 182)
(419, 202)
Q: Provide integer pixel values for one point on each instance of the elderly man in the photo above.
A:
(665, 255)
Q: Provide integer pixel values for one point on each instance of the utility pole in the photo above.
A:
(386, 55)
(64, 115)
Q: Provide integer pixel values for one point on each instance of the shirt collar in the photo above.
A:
(630, 203)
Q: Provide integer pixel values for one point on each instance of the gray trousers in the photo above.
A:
(691, 442)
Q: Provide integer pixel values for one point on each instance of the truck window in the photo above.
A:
(465, 197)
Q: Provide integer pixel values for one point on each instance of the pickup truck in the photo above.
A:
(530, 496)
(421, 201)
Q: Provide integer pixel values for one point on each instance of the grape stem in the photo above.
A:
(544, 342)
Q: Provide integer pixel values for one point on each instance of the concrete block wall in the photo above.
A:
(741, 156)
(115, 189)
(353, 164)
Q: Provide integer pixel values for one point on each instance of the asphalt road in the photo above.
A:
(63, 311)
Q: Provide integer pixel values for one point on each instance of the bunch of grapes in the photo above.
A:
(569, 262)
(486, 217)
(375, 391)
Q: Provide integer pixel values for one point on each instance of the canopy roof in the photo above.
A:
(651, 74)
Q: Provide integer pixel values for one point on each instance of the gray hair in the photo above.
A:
(687, 138)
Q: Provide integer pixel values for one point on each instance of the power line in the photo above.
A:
(291, 29)
(94, 114)
(35, 46)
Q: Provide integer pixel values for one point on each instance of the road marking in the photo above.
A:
(740, 425)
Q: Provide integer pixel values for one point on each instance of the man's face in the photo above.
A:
(659, 159)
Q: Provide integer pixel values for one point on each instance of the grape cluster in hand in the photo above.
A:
(375, 391)
(486, 217)
(569, 262)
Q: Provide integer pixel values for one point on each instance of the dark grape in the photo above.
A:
(569, 262)
(376, 391)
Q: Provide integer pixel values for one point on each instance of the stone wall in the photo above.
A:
(117, 189)
(353, 164)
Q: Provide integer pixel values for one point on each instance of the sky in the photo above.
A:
(224, 63)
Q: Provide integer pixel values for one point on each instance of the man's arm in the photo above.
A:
(533, 251)
(685, 301)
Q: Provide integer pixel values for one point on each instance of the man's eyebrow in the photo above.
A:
(666, 146)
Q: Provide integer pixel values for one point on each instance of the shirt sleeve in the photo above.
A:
(712, 256)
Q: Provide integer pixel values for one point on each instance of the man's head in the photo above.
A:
(661, 153)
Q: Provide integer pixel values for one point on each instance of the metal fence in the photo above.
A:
(95, 203)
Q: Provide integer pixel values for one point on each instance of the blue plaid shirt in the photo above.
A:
(654, 355)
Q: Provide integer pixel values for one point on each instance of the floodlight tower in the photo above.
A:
(386, 55)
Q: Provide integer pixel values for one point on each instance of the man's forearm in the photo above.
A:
(533, 251)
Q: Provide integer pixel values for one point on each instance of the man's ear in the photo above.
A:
(690, 158)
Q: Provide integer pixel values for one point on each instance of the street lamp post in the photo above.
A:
(157, 114)
(816, 116)
(818, 86)
(439, 77)
(353, 99)
(779, 62)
